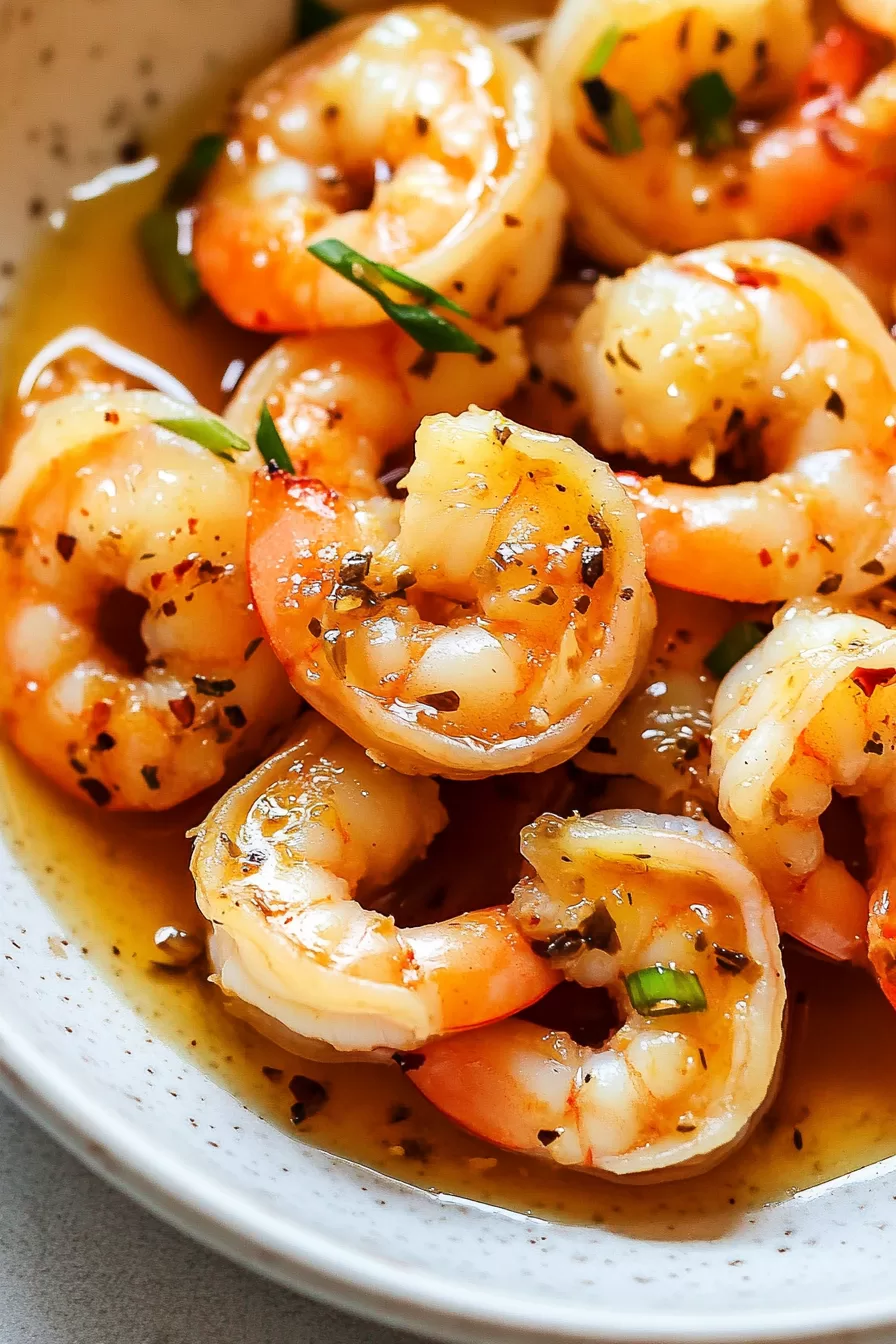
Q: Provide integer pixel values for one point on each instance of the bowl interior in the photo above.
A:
(75, 75)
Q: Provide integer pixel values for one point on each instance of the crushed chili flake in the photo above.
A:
(251, 647)
(104, 742)
(869, 678)
(798, 1140)
(765, 558)
(169, 608)
(753, 277)
(548, 1136)
(270, 1072)
(150, 775)
(582, 604)
(444, 702)
(65, 545)
(873, 747)
(872, 567)
(183, 710)
(235, 716)
(829, 584)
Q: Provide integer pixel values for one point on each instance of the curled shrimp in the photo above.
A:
(280, 865)
(343, 401)
(416, 137)
(807, 127)
(133, 669)
(625, 900)
(810, 712)
(660, 734)
(485, 625)
(751, 358)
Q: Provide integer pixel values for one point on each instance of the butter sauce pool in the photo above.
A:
(114, 880)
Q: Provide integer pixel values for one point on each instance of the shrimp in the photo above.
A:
(343, 401)
(485, 625)
(549, 398)
(664, 915)
(809, 711)
(660, 733)
(133, 669)
(741, 352)
(805, 127)
(416, 137)
(280, 865)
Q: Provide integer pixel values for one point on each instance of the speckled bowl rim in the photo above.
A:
(321, 1266)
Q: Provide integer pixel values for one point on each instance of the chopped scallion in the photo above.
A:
(733, 646)
(166, 234)
(174, 272)
(187, 181)
(661, 991)
(427, 328)
(270, 444)
(312, 17)
(617, 116)
(606, 44)
(209, 433)
(710, 103)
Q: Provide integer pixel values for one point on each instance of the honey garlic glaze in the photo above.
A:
(114, 880)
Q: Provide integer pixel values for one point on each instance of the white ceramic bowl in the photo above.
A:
(80, 1061)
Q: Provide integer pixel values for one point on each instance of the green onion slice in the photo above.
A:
(710, 103)
(606, 44)
(312, 17)
(661, 991)
(427, 328)
(209, 433)
(187, 181)
(733, 646)
(270, 444)
(616, 115)
(167, 247)
(174, 273)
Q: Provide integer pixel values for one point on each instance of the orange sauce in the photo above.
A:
(114, 880)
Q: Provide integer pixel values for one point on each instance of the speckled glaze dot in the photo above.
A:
(81, 82)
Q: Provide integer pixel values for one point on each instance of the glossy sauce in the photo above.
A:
(114, 880)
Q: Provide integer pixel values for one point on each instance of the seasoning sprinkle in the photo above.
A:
(592, 564)
(310, 1096)
(444, 702)
(216, 689)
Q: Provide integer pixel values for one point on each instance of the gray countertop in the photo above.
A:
(81, 1264)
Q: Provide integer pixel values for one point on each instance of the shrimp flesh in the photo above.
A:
(344, 401)
(418, 138)
(624, 901)
(738, 354)
(660, 734)
(280, 866)
(133, 669)
(487, 624)
(549, 397)
(812, 710)
(807, 126)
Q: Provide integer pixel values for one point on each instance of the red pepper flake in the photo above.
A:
(65, 545)
(765, 558)
(183, 710)
(251, 647)
(752, 277)
(869, 678)
(169, 608)
(235, 716)
(192, 524)
(150, 775)
(157, 579)
(829, 584)
(183, 566)
(793, 560)
(104, 742)
(271, 1073)
(443, 702)
(548, 1136)
(111, 417)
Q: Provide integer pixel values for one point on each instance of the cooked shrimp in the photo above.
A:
(343, 401)
(664, 914)
(416, 137)
(809, 711)
(805, 127)
(736, 352)
(549, 398)
(280, 865)
(486, 625)
(660, 733)
(133, 668)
